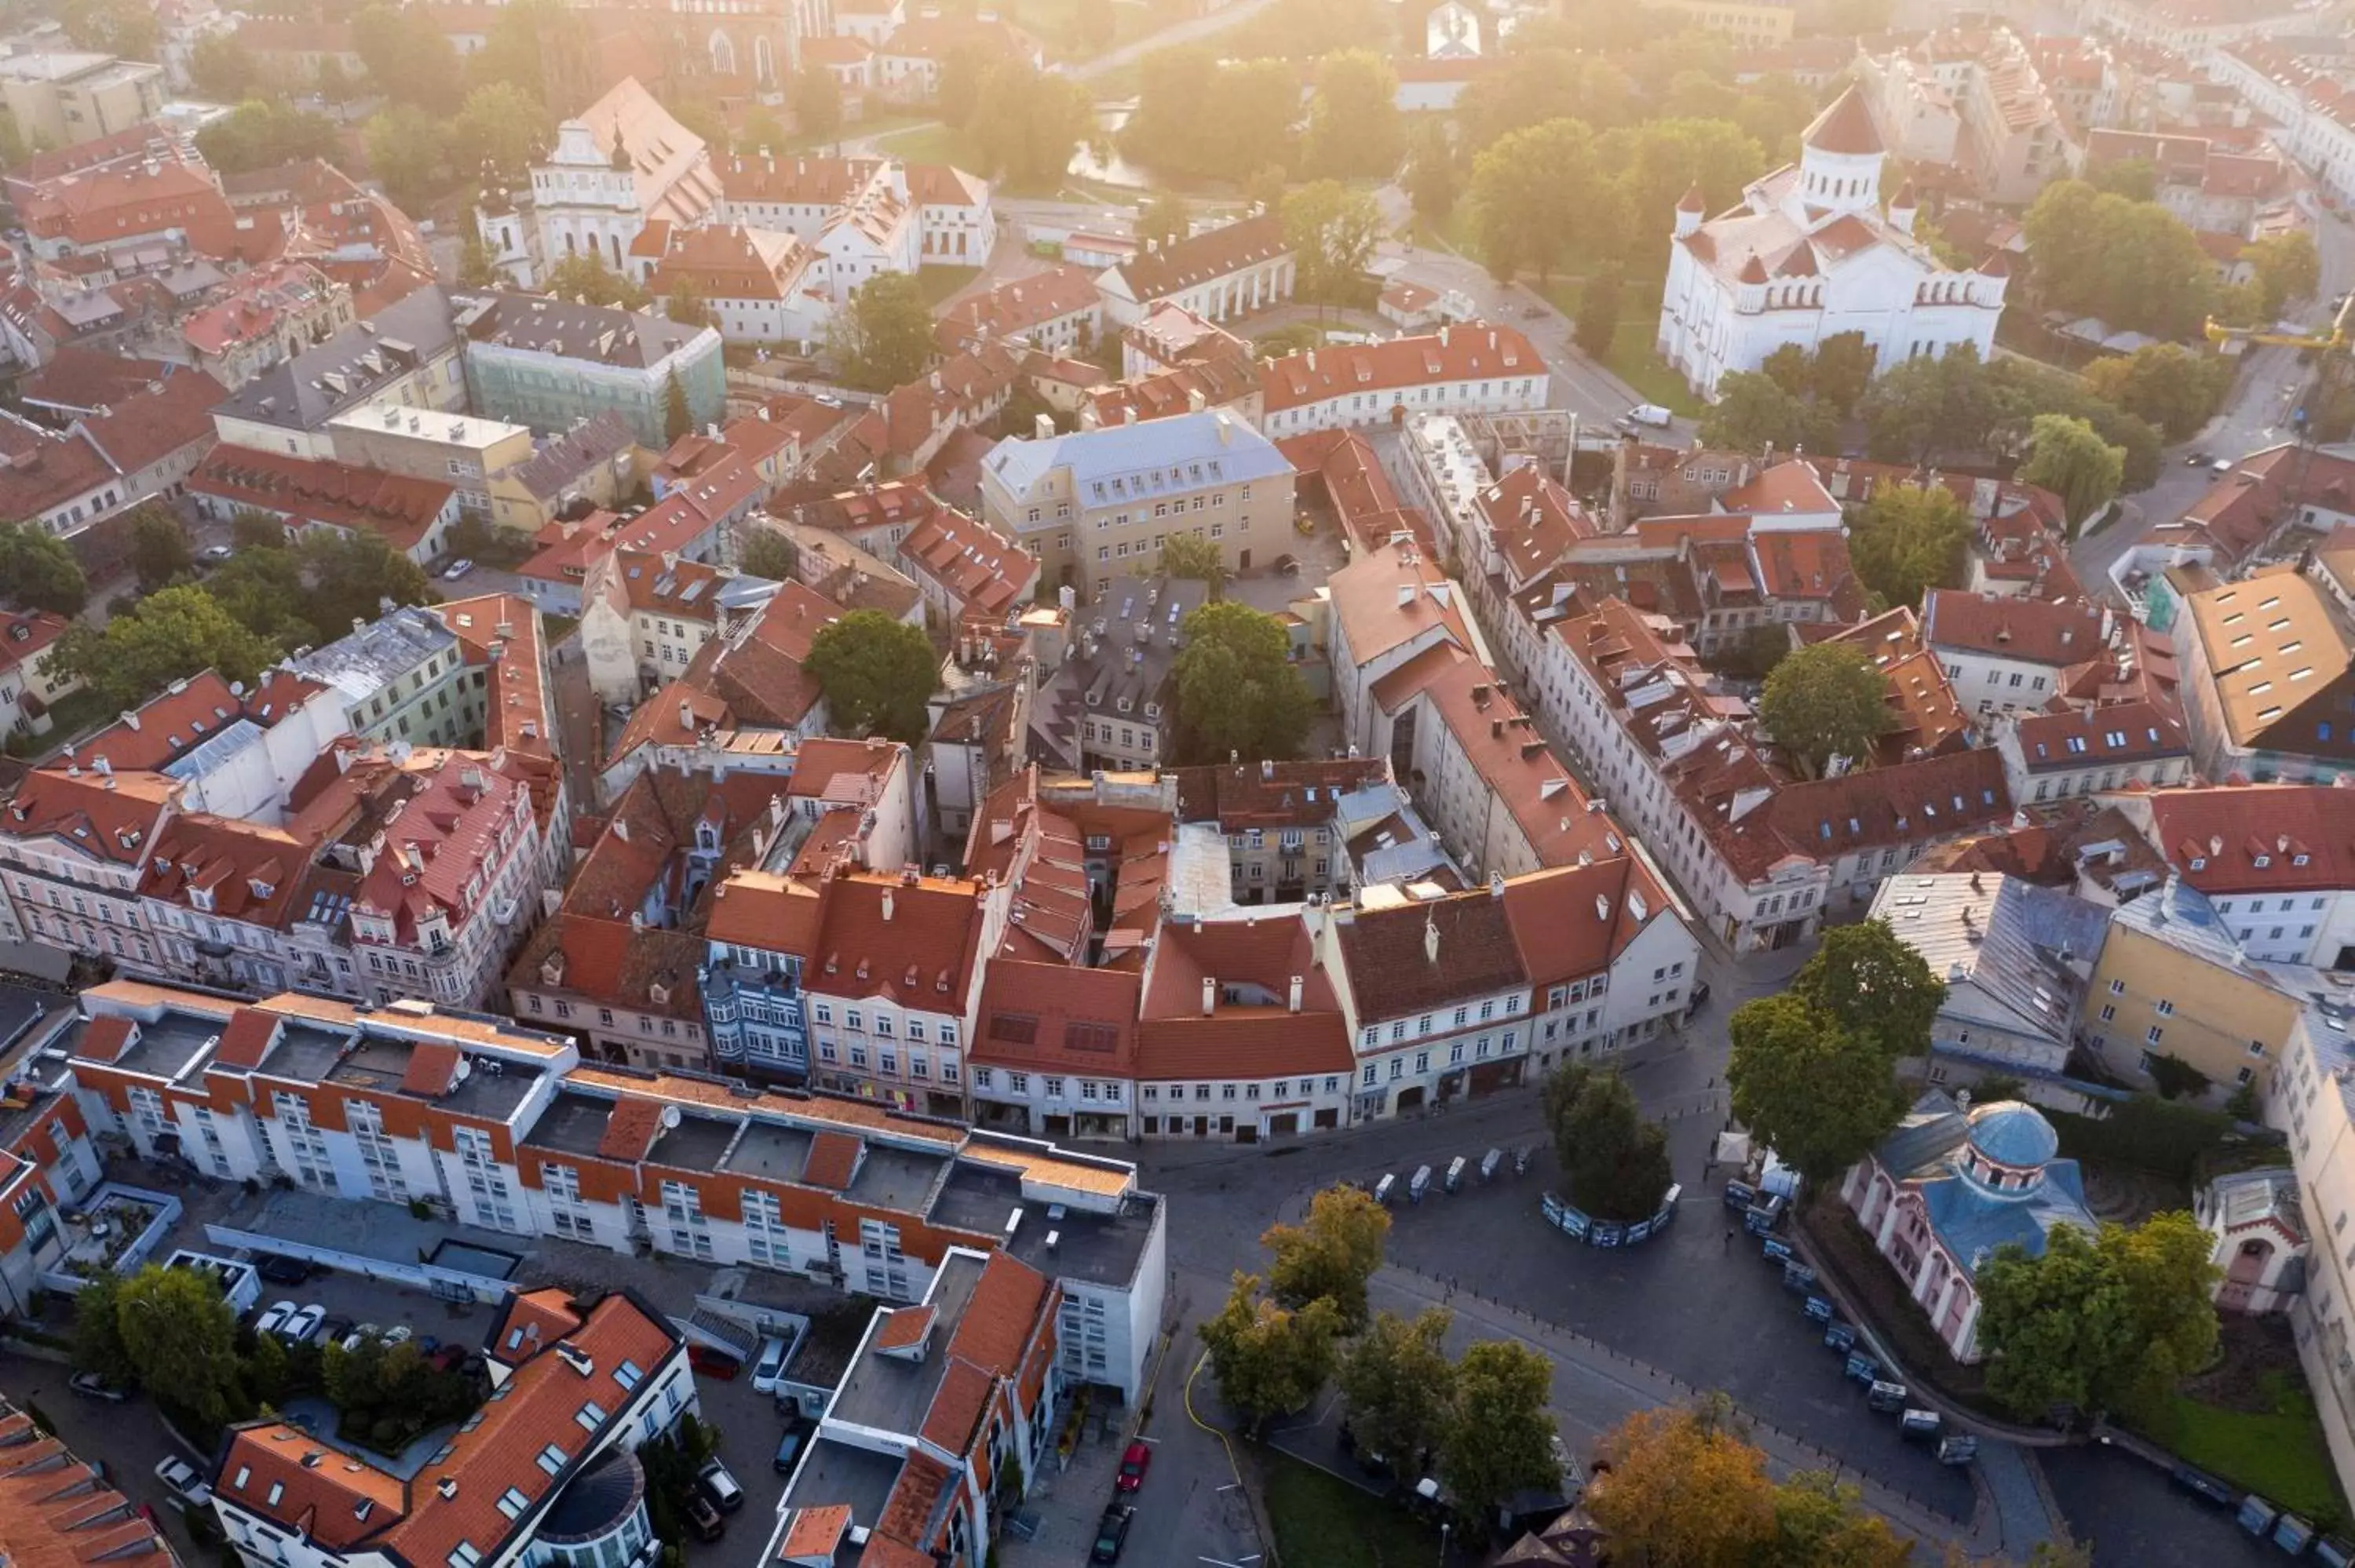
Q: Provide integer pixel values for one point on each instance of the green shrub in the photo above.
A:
(2145, 1132)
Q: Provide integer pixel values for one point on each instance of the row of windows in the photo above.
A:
(1372, 1035)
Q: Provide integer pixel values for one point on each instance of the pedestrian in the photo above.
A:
(1729, 1238)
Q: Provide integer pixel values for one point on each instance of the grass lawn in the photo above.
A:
(937, 284)
(2278, 1454)
(1452, 232)
(1323, 1522)
(934, 143)
(882, 125)
(1633, 361)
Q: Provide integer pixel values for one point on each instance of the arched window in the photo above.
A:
(723, 54)
(764, 63)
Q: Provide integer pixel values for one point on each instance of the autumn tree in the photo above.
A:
(1907, 539)
(1239, 691)
(2174, 387)
(1614, 1163)
(1498, 1440)
(1826, 701)
(1683, 1487)
(1399, 1386)
(1271, 1360)
(1331, 1254)
(877, 673)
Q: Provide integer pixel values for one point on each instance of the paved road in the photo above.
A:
(2259, 414)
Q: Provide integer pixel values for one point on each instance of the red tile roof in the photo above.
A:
(2118, 733)
(833, 1160)
(156, 423)
(247, 1038)
(1203, 257)
(976, 565)
(398, 509)
(2033, 631)
(1571, 921)
(1846, 127)
(1472, 351)
(2213, 836)
(1394, 970)
(1051, 1017)
(1787, 487)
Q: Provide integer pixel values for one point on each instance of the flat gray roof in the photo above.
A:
(890, 1394)
(768, 1150)
(893, 1178)
(305, 1051)
(573, 1124)
(166, 1047)
(697, 1143)
(1093, 1249)
(834, 1472)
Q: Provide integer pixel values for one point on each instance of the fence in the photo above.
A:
(1579, 1225)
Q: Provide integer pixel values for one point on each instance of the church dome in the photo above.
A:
(2006, 1132)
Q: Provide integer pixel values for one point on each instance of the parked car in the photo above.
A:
(90, 1385)
(399, 1334)
(448, 1358)
(702, 1517)
(2222, 465)
(771, 1365)
(275, 1317)
(709, 1362)
(304, 1326)
(1133, 1465)
(456, 569)
(281, 1270)
(2197, 459)
(214, 555)
(335, 1331)
(789, 1449)
(361, 1332)
(1111, 1533)
(184, 1481)
(720, 1487)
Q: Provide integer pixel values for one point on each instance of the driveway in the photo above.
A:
(130, 1438)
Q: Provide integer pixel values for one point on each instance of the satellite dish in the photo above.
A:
(670, 1116)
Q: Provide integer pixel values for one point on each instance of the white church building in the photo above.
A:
(1810, 255)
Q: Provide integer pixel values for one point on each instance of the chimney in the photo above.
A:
(887, 907)
(1209, 996)
(1292, 1001)
(1406, 595)
(1043, 428)
(1495, 884)
(1430, 940)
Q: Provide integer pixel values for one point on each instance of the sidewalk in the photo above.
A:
(1608, 1386)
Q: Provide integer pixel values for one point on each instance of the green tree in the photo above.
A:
(877, 673)
(2175, 1078)
(816, 100)
(408, 57)
(684, 305)
(1598, 313)
(407, 148)
(1753, 414)
(1923, 408)
(1907, 539)
(261, 134)
(1238, 689)
(1331, 230)
(885, 338)
(768, 552)
(2013, 391)
(98, 1331)
(2111, 1322)
(1873, 983)
(1331, 1254)
(2132, 263)
(1531, 190)
(37, 570)
(1499, 1439)
(1659, 161)
(2137, 179)
(352, 577)
(1823, 702)
(159, 548)
(1026, 122)
(261, 588)
(1816, 1093)
(2176, 389)
(124, 27)
(1354, 126)
(540, 47)
(267, 1372)
(2287, 268)
(2069, 458)
(585, 278)
(1530, 86)
(475, 268)
(1614, 1162)
(1842, 370)
(1790, 368)
(1399, 1386)
(677, 419)
(253, 530)
(502, 129)
(1163, 220)
(1264, 191)
(173, 633)
(1270, 1361)
(1192, 556)
(181, 1339)
(222, 68)
(763, 132)
(1432, 180)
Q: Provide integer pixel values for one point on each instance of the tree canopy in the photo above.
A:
(1239, 691)
(1332, 230)
(168, 636)
(1354, 125)
(2069, 457)
(1826, 701)
(1500, 1438)
(179, 1338)
(1027, 122)
(261, 134)
(769, 553)
(2176, 389)
(1195, 557)
(1331, 1254)
(37, 570)
(815, 98)
(877, 673)
(408, 57)
(1399, 1386)
(885, 338)
(1874, 983)
(1614, 1163)
(159, 547)
(2107, 1322)
(1907, 539)
(2132, 263)
(2287, 268)
(1271, 1360)
(1819, 1095)
(1200, 116)
(503, 128)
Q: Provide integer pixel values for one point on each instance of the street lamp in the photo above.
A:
(1443, 1528)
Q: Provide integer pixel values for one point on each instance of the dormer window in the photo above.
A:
(2263, 860)
(2198, 862)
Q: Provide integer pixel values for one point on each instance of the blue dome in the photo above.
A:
(2010, 1133)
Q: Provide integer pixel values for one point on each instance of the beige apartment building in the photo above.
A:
(72, 96)
(2170, 980)
(456, 449)
(1099, 505)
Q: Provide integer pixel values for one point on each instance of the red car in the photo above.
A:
(713, 1363)
(1133, 1465)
